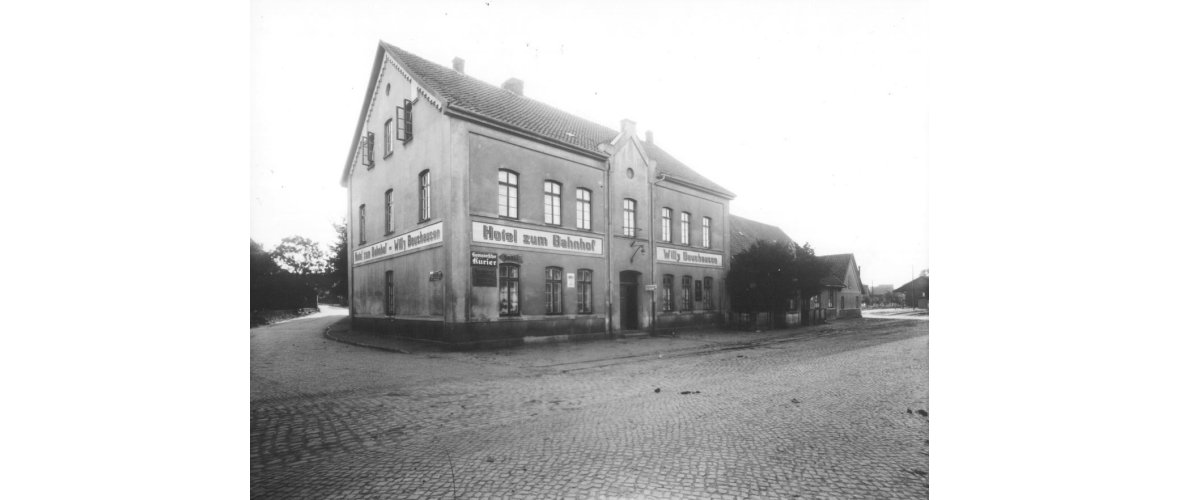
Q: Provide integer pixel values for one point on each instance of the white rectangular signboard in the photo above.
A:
(680, 256)
(496, 234)
(401, 243)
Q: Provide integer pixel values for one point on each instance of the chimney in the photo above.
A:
(514, 85)
(457, 64)
(650, 139)
(626, 126)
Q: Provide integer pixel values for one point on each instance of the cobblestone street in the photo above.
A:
(821, 412)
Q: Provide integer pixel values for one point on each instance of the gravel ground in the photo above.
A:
(820, 412)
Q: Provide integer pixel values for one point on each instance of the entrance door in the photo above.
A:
(629, 300)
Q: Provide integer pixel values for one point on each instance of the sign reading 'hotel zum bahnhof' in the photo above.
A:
(402, 243)
(482, 232)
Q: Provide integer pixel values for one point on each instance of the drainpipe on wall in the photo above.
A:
(348, 234)
(651, 238)
(610, 332)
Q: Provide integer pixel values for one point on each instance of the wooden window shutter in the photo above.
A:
(409, 105)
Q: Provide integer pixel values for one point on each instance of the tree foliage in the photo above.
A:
(272, 287)
(338, 264)
(768, 274)
(300, 255)
(261, 263)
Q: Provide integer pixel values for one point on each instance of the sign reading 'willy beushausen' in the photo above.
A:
(401, 243)
(679, 256)
(482, 232)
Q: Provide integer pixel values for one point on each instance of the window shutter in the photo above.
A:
(369, 148)
(409, 105)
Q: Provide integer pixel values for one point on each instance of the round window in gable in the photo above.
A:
(630, 174)
(387, 89)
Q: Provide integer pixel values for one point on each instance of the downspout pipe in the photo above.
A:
(651, 238)
(610, 332)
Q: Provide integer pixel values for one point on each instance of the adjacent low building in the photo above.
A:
(916, 292)
(843, 291)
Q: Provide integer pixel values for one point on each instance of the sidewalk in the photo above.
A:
(896, 313)
(568, 355)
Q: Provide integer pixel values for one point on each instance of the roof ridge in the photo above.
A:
(400, 52)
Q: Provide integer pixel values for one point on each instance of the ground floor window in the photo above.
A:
(667, 292)
(553, 302)
(585, 291)
(708, 296)
(509, 290)
(389, 293)
(686, 293)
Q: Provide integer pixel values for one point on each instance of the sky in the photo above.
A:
(813, 112)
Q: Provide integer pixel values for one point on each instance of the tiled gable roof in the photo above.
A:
(744, 232)
(489, 101)
(464, 95)
(838, 265)
(832, 281)
(673, 167)
(921, 283)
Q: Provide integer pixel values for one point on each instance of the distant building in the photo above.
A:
(843, 289)
(917, 292)
(883, 295)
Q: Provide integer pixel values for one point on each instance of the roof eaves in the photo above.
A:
(687, 183)
(360, 122)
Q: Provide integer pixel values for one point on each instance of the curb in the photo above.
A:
(328, 335)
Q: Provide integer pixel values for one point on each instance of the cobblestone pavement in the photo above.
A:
(820, 412)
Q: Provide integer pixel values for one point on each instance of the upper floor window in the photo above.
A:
(706, 232)
(388, 211)
(686, 293)
(582, 210)
(666, 224)
(552, 203)
(628, 217)
(666, 293)
(553, 302)
(367, 149)
(685, 224)
(388, 137)
(405, 122)
(585, 291)
(506, 200)
(424, 195)
(361, 224)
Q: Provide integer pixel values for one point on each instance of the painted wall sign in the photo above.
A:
(483, 268)
(496, 234)
(405, 242)
(679, 256)
(569, 280)
(484, 259)
(514, 258)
